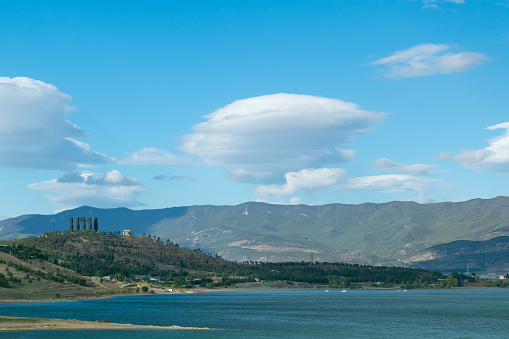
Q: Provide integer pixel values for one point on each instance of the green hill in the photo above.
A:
(78, 264)
(368, 233)
(490, 256)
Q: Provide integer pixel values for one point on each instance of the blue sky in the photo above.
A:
(172, 103)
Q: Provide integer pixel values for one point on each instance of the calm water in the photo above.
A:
(479, 313)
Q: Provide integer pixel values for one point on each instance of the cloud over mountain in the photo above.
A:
(493, 158)
(34, 130)
(393, 183)
(113, 189)
(385, 164)
(279, 133)
(303, 180)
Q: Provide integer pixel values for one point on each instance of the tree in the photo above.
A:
(3, 281)
(144, 289)
(451, 281)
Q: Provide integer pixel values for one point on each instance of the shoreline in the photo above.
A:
(221, 290)
(10, 324)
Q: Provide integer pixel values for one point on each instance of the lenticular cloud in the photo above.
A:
(429, 59)
(113, 189)
(279, 133)
(34, 130)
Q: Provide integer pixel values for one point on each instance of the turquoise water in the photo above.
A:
(476, 313)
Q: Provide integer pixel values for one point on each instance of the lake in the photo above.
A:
(459, 313)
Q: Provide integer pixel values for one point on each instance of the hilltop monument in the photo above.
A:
(83, 223)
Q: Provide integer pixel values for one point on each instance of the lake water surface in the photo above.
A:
(465, 313)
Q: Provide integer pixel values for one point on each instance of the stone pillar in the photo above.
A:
(77, 228)
(96, 224)
(71, 224)
(88, 223)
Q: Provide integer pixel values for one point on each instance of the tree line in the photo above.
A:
(101, 254)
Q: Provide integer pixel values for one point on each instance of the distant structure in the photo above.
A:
(83, 223)
(127, 232)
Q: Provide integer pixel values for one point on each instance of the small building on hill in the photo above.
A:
(127, 232)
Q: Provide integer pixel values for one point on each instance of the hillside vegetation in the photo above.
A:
(82, 258)
(384, 234)
(490, 256)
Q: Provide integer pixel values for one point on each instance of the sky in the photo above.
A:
(158, 104)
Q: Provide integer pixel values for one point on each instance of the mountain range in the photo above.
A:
(381, 234)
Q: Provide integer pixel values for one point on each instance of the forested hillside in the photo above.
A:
(490, 256)
(385, 234)
(98, 254)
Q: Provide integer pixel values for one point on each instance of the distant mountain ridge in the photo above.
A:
(366, 233)
(476, 256)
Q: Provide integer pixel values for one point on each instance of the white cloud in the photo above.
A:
(423, 197)
(415, 169)
(433, 3)
(493, 158)
(429, 59)
(295, 201)
(393, 183)
(154, 156)
(444, 156)
(312, 179)
(430, 4)
(279, 133)
(34, 130)
(303, 180)
(113, 189)
(389, 183)
(174, 177)
(245, 176)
